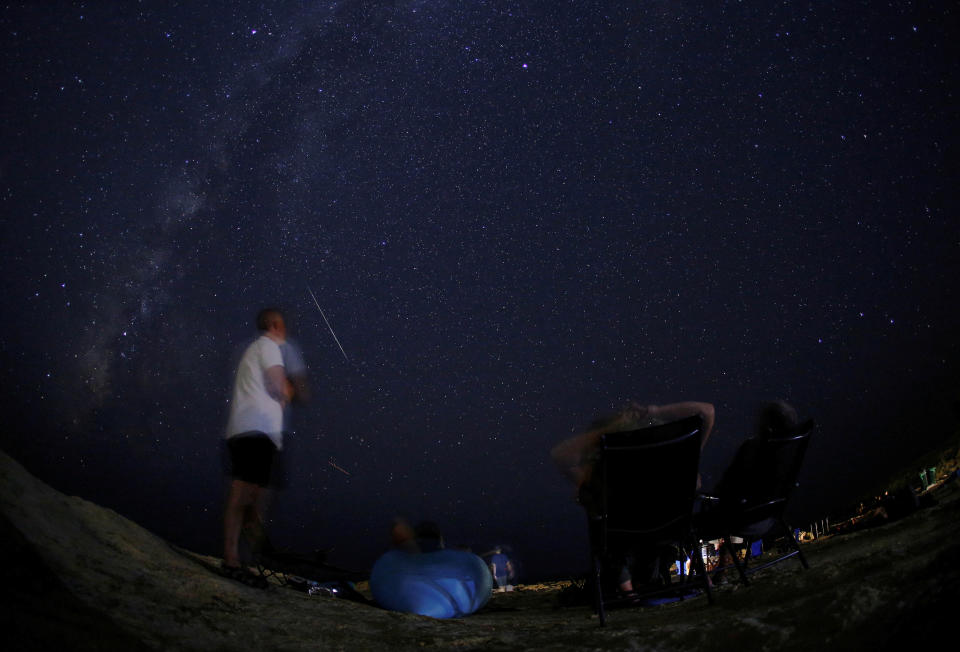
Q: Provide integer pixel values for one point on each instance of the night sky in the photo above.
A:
(516, 216)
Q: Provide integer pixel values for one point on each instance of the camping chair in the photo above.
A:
(641, 498)
(753, 497)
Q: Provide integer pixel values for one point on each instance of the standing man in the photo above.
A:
(500, 569)
(254, 435)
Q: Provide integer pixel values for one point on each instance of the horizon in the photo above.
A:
(534, 566)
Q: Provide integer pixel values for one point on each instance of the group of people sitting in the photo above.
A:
(577, 458)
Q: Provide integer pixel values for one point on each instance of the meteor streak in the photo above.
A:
(338, 467)
(317, 303)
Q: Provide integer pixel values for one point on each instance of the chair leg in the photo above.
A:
(701, 570)
(736, 562)
(795, 543)
(598, 594)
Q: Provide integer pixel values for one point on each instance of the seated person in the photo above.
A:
(577, 456)
(426, 537)
(421, 576)
(750, 475)
(745, 475)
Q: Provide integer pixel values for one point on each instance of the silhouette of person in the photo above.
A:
(577, 456)
(254, 435)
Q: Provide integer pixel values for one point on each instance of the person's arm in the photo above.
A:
(296, 370)
(677, 411)
(301, 390)
(568, 455)
(277, 385)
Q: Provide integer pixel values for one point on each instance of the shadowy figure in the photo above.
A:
(578, 455)
(421, 576)
(775, 419)
(426, 537)
(254, 435)
(502, 570)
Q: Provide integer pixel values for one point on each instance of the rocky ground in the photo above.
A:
(81, 577)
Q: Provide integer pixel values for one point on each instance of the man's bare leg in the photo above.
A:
(254, 524)
(243, 495)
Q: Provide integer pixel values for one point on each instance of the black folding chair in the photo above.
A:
(753, 495)
(640, 498)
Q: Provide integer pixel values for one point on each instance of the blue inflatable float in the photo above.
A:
(441, 584)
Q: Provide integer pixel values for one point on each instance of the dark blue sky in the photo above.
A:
(516, 216)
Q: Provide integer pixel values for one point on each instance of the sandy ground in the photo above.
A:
(79, 577)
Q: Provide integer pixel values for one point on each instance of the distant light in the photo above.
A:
(524, 65)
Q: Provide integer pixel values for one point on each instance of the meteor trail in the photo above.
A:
(317, 303)
(338, 467)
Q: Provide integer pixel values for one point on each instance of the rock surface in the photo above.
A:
(80, 577)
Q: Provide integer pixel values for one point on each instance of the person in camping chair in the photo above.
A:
(775, 419)
(577, 456)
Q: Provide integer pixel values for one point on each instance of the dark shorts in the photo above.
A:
(252, 457)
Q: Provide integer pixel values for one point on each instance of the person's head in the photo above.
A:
(777, 419)
(270, 322)
(429, 536)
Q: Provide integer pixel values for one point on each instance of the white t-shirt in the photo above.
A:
(252, 407)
